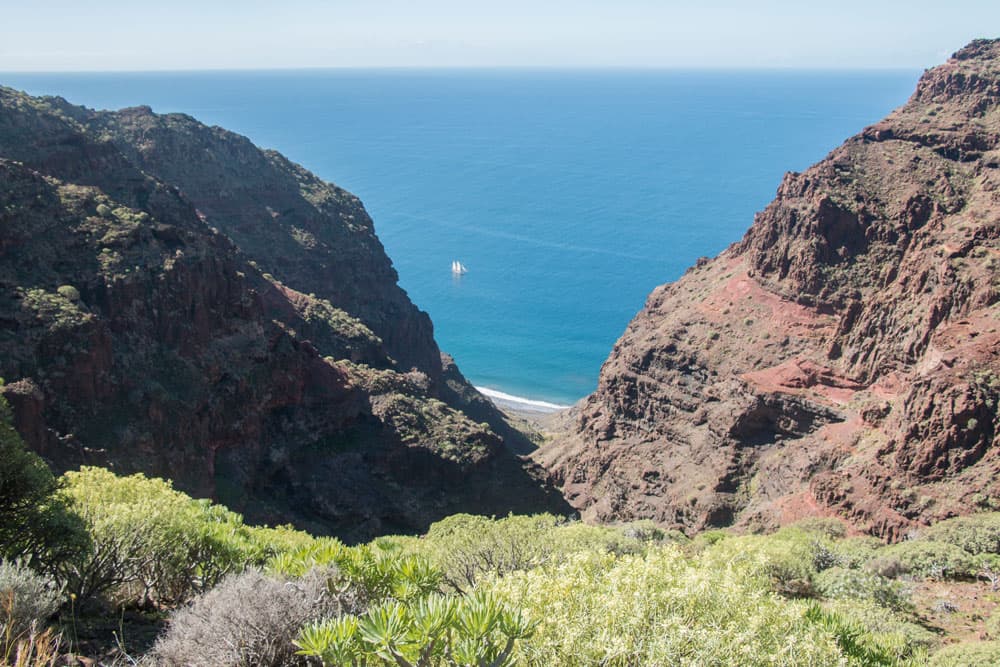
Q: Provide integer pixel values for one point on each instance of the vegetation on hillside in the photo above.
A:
(522, 590)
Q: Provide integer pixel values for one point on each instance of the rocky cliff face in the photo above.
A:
(176, 301)
(842, 359)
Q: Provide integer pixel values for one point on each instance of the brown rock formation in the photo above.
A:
(842, 359)
(176, 301)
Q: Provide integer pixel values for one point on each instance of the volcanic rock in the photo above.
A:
(841, 360)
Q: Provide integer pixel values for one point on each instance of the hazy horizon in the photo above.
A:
(187, 35)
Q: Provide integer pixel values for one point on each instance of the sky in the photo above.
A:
(77, 35)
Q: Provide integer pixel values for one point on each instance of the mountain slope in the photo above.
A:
(239, 331)
(842, 359)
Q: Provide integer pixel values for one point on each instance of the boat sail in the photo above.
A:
(458, 268)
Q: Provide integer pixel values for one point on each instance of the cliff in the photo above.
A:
(841, 360)
(176, 301)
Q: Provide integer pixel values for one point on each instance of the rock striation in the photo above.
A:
(841, 360)
(176, 301)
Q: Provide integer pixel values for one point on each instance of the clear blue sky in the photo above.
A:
(69, 35)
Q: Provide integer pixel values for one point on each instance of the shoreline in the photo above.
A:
(520, 403)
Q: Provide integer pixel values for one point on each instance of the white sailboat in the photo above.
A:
(458, 268)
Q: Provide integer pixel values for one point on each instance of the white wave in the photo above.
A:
(520, 402)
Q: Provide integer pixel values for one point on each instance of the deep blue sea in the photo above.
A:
(569, 195)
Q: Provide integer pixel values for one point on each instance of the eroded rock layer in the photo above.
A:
(842, 359)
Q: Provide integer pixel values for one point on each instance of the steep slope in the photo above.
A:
(136, 332)
(841, 360)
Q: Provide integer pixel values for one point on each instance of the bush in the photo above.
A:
(153, 545)
(929, 560)
(26, 598)
(788, 558)
(35, 525)
(249, 619)
(467, 547)
(854, 552)
(68, 292)
(969, 654)
(434, 630)
(838, 582)
(884, 628)
(377, 572)
(658, 608)
(977, 534)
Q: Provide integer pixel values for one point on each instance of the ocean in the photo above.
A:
(568, 195)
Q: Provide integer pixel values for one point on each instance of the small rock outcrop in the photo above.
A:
(176, 301)
(842, 359)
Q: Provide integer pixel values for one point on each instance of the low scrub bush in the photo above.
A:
(970, 654)
(36, 526)
(377, 571)
(788, 558)
(977, 534)
(890, 630)
(434, 630)
(924, 559)
(838, 582)
(249, 619)
(467, 547)
(854, 552)
(152, 545)
(658, 608)
(27, 600)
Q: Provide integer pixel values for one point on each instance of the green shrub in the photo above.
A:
(838, 582)
(151, 544)
(928, 560)
(69, 292)
(658, 608)
(434, 630)
(860, 645)
(249, 619)
(993, 624)
(467, 547)
(885, 628)
(977, 534)
(35, 525)
(969, 654)
(26, 599)
(788, 558)
(826, 527)
(854, 552)
(377, 571)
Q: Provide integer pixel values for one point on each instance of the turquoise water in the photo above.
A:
(568, 195)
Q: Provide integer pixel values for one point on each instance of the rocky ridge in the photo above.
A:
(176, 301)
(842, 359)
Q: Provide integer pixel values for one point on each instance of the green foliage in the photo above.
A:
(55, 310)
(930, 560)
(854, 552)
(970, 654)
(35, 525)
(151, 544)
(977, 534)
(885, 627)
(468, 547)
(377, 571)
(659, 608)
(789, 557)
(434, 630)
(861, 646)
(838, 582)
(68, 292)
(26, 599)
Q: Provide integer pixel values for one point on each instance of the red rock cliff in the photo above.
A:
(842, 359)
